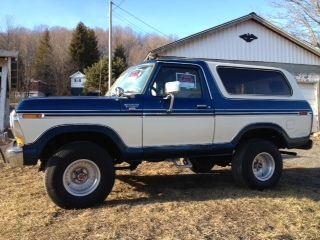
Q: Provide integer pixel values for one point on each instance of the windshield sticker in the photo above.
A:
(186, 80)
(134, 75)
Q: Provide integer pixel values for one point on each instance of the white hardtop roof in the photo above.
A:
(228, 64)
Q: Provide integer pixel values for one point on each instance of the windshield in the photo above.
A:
(133, 80)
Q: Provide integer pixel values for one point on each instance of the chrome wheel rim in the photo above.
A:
(263, 166)
(81, 177)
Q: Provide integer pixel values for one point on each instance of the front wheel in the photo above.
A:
(257, 164)
(80, 175)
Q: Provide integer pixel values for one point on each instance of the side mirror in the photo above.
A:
(172, 87)
(119, 91)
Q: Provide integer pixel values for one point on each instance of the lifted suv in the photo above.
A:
(198, 113)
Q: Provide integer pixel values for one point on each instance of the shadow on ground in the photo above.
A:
(218, 185)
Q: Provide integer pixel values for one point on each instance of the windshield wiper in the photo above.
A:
(130, 92)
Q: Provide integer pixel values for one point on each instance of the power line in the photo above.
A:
(123, 19)
(132, 15)
(116, 5)
(121, 2)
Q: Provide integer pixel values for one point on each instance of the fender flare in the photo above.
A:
(32, 152)
(261, 126)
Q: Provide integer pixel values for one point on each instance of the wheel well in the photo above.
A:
(265, 133)
(60, 140)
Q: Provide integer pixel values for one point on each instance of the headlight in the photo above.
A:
(16, 128)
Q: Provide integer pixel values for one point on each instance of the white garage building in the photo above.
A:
(253, 40)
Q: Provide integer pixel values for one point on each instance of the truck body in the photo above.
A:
(201, 113)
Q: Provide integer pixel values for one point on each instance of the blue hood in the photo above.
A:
(69, 104)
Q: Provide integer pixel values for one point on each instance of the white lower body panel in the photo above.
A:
(228, 126)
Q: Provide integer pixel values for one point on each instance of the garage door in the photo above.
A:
(309, 90)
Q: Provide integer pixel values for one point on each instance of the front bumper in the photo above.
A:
(12, 154)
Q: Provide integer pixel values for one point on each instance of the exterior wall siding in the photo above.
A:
(226, 44)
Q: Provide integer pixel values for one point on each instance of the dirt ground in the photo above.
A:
(159, 201)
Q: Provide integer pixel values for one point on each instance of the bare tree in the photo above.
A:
(26, 41)
(301, 18)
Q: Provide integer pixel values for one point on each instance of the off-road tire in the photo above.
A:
(68, 154)
(242, 164)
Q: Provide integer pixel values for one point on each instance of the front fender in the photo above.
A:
(32, 152)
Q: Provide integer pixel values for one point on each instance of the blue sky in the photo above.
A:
(171, 17)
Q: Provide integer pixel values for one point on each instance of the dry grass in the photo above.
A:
(158, 201)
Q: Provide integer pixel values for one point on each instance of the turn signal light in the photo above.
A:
(20, 141)
(32, 115)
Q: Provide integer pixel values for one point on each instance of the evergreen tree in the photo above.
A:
(83, 47)
(119, 62)
(97, 75)
(42, 69)
(120, 52)
(92, 49)
(118, 66)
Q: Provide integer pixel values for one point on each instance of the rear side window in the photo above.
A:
(244, 81)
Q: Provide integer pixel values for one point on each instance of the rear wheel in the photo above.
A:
(257, 164)
(80, 175)
(201, 164)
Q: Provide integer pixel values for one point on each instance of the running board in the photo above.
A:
(289, 153)
(182, 162)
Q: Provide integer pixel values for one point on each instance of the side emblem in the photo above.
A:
(131, 106)
(249, 37)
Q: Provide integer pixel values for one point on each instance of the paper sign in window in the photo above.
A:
(134, 75)
(187, 80)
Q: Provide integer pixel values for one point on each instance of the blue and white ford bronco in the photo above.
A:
(195, 112)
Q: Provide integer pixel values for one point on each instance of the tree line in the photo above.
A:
(53, 54)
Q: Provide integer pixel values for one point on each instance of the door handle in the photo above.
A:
(202, 106)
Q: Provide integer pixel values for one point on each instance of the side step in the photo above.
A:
(288, 153)
(131, 166)
(182, 162)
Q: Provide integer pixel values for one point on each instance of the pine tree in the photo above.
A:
(120, 52)
(119, 62)
(42, 69)
(92, 48)
(84, 47)
(97, 75)
(118, 66)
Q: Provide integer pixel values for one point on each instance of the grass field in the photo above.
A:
(159, 201)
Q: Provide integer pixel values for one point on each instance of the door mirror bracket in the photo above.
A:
(170, 89)
(171, 97)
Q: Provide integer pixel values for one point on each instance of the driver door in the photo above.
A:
(191, 121)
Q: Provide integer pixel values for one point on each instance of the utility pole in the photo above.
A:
(110, 46)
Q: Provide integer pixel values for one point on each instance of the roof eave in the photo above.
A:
(10, 54)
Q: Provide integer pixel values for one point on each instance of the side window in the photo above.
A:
(189, 78)
(246, 81)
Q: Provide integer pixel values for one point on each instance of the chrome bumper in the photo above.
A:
(12, 154)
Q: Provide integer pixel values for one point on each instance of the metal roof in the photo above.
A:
(252, 16)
